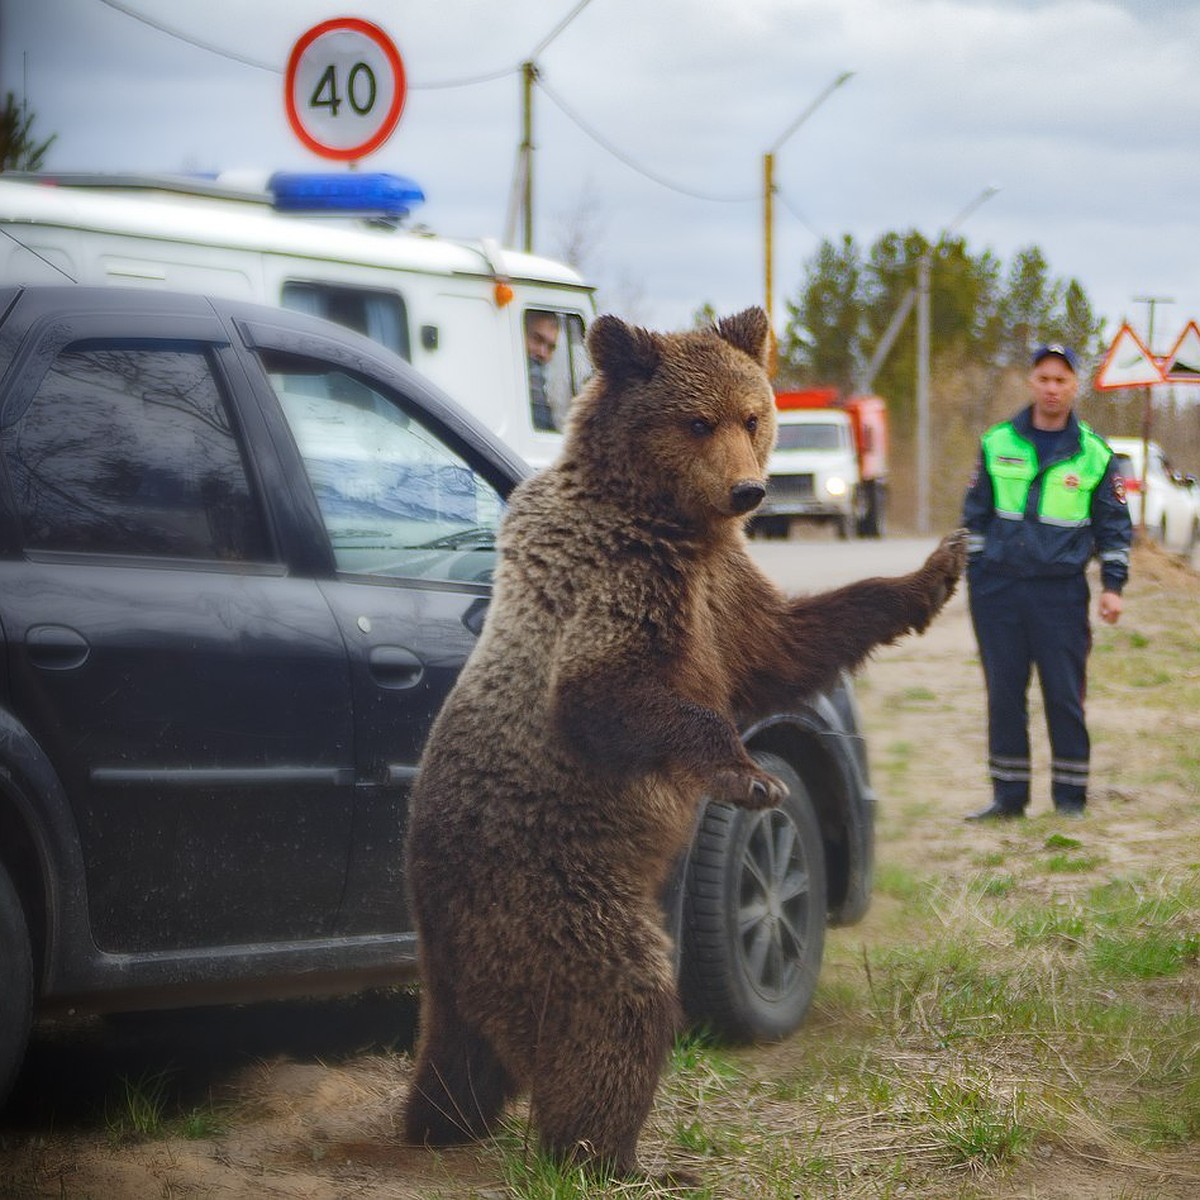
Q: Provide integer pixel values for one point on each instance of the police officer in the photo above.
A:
(1044, 498)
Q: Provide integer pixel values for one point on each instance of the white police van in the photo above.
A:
(328, 244)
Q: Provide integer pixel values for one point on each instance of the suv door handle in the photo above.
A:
(56, 647)
(394, 667)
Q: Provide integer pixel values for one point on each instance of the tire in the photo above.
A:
(16, 993)
(875, 522)
(754, 915)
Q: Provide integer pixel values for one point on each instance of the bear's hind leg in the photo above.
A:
(459, 1087)
(595, 1085)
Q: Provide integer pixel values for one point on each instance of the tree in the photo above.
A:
(18, 149)
(822, 341)
(1025, 312)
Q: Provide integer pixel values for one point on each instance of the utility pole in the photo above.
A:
(524, 176)
(768, 202)
(1147, 406)
(528, 75)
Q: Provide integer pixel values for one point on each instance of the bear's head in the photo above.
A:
(679, 424)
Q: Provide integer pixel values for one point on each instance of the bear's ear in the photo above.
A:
(747, 331)
(622, 351)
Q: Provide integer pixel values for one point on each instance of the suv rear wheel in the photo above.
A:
(754, 914)
(16, 993)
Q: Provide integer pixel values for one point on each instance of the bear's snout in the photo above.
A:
(747, 495)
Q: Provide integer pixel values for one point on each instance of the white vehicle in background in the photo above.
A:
(812, 474)
(1171, 499)
(333, 245)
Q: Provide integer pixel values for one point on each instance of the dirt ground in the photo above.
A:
(311, 1115)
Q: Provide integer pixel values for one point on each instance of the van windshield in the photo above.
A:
(810, 436)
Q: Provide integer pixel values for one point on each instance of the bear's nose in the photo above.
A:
(747, 495)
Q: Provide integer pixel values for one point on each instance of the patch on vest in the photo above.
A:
(1071, 482)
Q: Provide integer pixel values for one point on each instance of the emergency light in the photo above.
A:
(349, 193)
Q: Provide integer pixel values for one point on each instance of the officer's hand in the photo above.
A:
(1110, 607)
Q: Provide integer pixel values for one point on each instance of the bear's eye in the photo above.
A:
(701, 427)
(752, 424)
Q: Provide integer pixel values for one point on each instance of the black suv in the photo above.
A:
(243, 555)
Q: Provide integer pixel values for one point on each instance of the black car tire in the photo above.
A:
(16, 992)
(754, 915)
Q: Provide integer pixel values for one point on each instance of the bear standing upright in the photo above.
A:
(628, 635)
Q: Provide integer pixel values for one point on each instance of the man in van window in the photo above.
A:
(541, 340)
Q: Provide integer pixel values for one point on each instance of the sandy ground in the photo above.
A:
(308, 1115)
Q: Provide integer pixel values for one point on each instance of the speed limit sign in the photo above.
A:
(345, 88)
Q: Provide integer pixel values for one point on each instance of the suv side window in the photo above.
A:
(396, 500)
(129, 448)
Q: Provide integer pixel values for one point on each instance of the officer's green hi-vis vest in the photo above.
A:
(1067, 487)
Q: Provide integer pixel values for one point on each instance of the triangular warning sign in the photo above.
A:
(1127, 364)
(1182, 365)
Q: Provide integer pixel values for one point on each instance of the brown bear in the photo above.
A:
(628, 635)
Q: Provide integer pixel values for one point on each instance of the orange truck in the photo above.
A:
(829, 464)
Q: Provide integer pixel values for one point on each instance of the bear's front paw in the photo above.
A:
(748, 787)
(944, 567)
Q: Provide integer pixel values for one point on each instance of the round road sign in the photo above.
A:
(344, 88)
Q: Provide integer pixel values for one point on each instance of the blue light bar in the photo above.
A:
(344, 194)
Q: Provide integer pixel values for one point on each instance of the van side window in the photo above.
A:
(381, 316)
(130, 450)
(557, 363)
(396, 500)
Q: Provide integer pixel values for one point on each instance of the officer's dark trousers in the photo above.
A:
(1020, 623)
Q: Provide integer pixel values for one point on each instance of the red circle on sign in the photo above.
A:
(381, 39)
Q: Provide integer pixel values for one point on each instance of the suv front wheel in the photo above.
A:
(754, 914)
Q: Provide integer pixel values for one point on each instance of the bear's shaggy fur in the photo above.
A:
(628, 635)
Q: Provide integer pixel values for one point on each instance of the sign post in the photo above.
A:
(1131, 363)
(344, 88)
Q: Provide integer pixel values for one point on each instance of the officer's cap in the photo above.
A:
(1057, 349)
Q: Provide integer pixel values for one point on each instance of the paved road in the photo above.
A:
(814, 564)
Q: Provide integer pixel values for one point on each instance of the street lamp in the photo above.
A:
(924, 270)
(769, 192)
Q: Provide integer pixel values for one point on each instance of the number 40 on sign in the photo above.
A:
(344, 88)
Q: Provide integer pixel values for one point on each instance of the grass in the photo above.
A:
(139, 1111)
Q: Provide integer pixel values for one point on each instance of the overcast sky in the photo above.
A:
(1085, 113)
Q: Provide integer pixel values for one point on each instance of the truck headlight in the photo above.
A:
(835, 485)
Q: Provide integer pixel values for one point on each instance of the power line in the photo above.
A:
(799, 215)
(605, 144)
(182, 37)
(179, 36)
(467, 81)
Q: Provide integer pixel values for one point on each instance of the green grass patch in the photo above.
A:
(139, 1110)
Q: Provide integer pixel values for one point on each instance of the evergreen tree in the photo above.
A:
(822, 338)
(18, 149)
